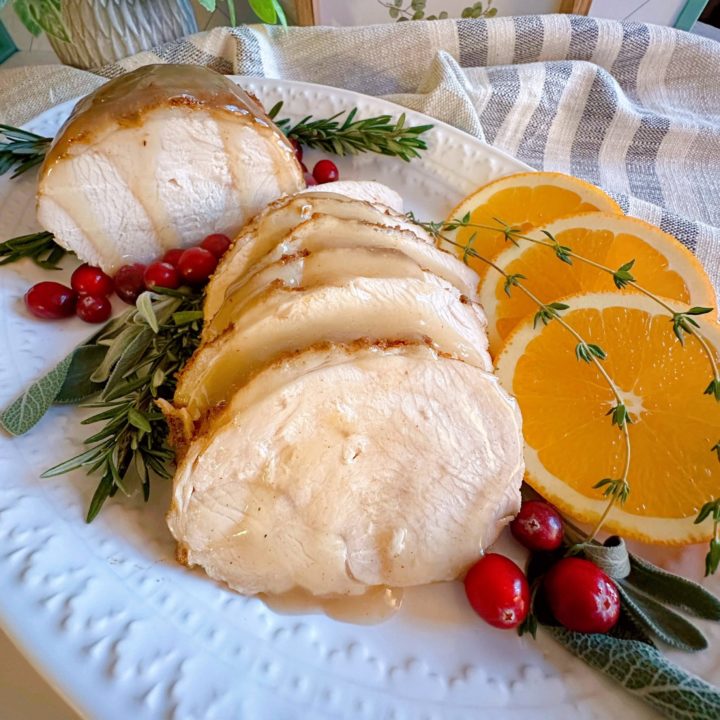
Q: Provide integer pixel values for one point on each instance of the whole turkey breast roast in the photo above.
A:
(160, 158)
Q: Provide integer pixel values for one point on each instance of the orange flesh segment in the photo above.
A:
(519, 207)
(550, 279)
(563, 402)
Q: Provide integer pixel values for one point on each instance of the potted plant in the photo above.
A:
(91, 33)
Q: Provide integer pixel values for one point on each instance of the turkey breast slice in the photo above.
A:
(338, 469)
(327, 231)
(366, 190)
(283, 320)
(160, 158)
(280, 218)
(306, 269)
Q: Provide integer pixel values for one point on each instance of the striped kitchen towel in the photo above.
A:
(630, 107)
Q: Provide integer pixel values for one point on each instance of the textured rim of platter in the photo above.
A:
(122, 631)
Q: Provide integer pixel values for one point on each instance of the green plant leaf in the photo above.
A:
(394, 13)
(114, 351)
(138, 420)
(39, 15)
(77, 385)
(280, 13)
(611, 557)
(27, 410)
(643, 671)
(22, 10)
(265, 10)
(661, 622)
(209, 5)
(146, 311)
(131, 355)
(673, 590)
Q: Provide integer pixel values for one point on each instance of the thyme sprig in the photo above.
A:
(40, 247)
(351, 136)
(712, 510)
(683, 321)
(616, 490)
(146, 348)
(20, 150)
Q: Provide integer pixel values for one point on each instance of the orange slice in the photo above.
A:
(523, 201)
(662, 265)
(570, 443)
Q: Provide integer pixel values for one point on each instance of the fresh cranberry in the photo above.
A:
(172, 256)
(89, 280)
(498, 591)
(196, 265)
(325, 171)
(51, 300)
(217, 244)
(93, 308)
(310, 181)
(161, 274)
(538, 526)
(581, 596)
(298, 148)
(129, 282)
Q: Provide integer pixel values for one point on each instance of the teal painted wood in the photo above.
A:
(689, 14)
(7, 46)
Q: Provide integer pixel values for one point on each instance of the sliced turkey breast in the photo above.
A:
(279, 219)
(284, 320)
(327, 231)
(159, 158)
(306, 269)
(339, 469)
(369, 191)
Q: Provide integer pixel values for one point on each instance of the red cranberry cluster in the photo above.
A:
(579, 594)
(324, 171)
(90, 288)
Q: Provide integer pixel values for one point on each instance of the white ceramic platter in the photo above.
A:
(124, 632)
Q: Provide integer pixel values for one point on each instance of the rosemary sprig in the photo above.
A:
(40, 247)
(381, 134)
(616, 490)
(145, 350)
(20, 150)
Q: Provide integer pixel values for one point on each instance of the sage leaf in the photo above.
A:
(612, 557)
(77, 385)
(115, 349)
(146, 311)
(643, 671)
(661, 622)
(131, 355)
(27, 410)
(673, 590)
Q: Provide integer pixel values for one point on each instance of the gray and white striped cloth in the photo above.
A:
(630, 107)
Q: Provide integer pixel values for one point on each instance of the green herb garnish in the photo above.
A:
(20, 150)
(381, 134)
